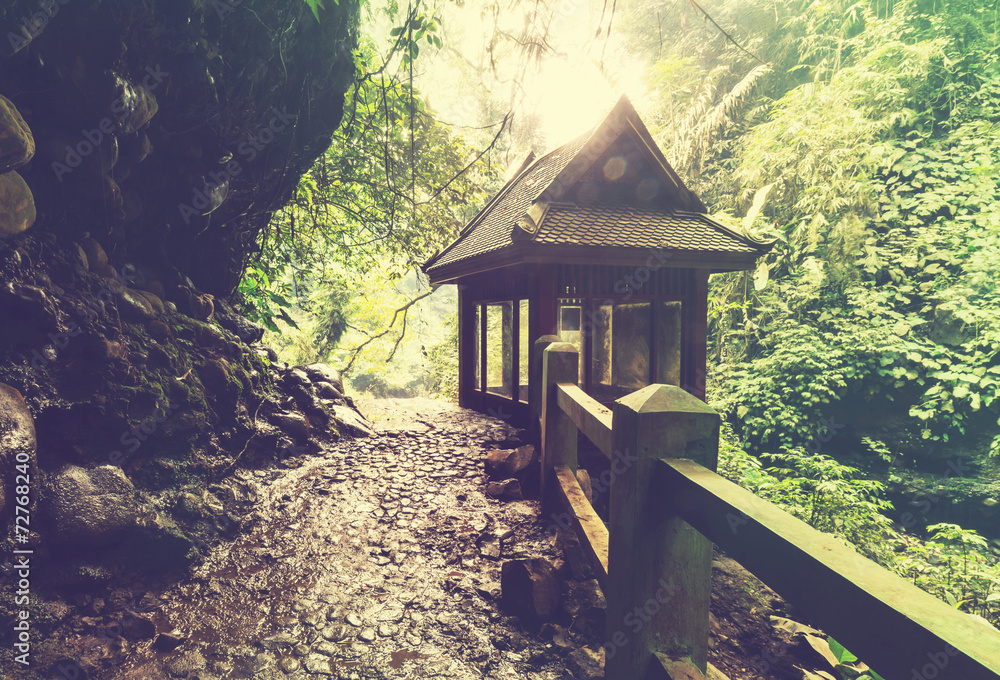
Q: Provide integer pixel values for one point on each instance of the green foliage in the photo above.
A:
(316, 6)
(847, 664)
(831, 497)
(263, 302)
(828, 495)
(955, 565)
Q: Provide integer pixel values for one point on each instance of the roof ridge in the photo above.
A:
(525, 170)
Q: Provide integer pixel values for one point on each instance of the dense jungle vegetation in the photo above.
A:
(863, 136)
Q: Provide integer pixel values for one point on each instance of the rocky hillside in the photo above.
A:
(169, 130)
(143, 148)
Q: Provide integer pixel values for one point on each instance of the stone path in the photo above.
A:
(378, 559)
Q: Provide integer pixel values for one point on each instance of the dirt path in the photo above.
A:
(368, 561)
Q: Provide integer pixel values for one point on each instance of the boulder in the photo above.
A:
(245, 330)
(17, 442)
(294, 423)
(507, 463)
(17, 146)
(90, 507)
(134, 307)
(350, 421)
(96, 256)
(327, 391)
(320, 372)
(529, 588)
(17, 205)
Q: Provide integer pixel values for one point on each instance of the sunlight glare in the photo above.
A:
(570, 99)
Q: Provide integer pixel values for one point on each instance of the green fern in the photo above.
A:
(316, 6)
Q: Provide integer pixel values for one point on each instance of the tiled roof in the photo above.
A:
(535, 209)
(491, 229)
(630, 226)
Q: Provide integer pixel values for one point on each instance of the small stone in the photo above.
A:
(386, 630)
(289, 664)
(334, 633)
(135, 307)
(168, 642)
(353, 619)
(368, 635)
(310, 619)
(507, 490)
(327, 648)
(489, 546)
(318, 665)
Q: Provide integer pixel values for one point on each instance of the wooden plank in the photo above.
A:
(890, 624)
(593, 419)
(587, 524)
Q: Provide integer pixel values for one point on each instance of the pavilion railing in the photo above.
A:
(668, 506)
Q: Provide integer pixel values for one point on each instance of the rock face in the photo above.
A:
(170, 130)
(90, 507)
(17, 444)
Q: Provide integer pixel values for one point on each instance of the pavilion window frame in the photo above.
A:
(514, 377)
(587, 314)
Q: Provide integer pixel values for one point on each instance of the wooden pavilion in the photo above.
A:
(600, 243)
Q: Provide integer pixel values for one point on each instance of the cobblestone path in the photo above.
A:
(379, 558)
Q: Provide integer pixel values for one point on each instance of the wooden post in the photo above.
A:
(659, 567)
(559, 365)
(467, 332)
(535, 381)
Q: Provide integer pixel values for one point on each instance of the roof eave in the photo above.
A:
(549, 253)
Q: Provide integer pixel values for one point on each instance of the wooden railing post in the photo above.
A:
(535, 390)
(659, 567)
(560, 363)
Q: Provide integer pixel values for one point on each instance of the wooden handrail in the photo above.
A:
(895, 627)
(592, 417)
(668, 506)
(587, 523)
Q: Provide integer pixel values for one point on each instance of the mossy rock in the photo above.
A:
(17, 146)
(17, 205)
